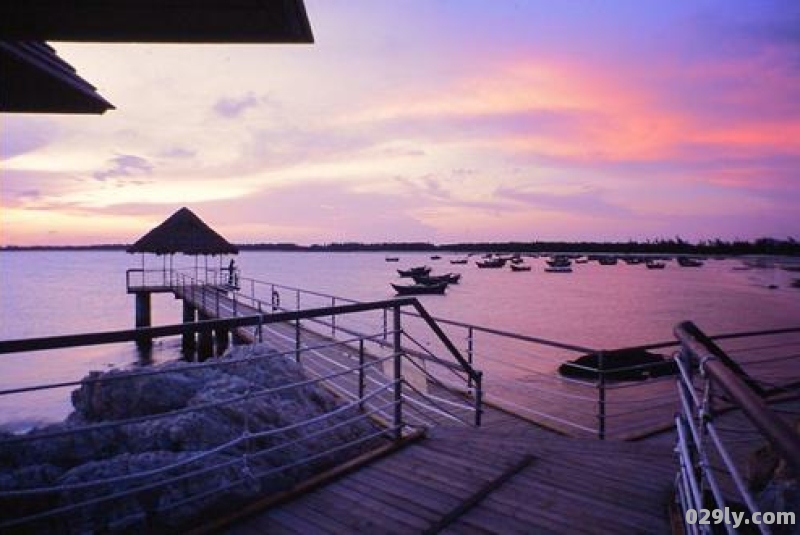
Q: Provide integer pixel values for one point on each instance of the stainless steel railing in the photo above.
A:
(713, 474)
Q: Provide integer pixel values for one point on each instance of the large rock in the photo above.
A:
(150, 421)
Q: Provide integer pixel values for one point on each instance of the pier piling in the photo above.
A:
(143, 317)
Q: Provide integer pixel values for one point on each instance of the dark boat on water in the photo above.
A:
(450, 278)
(392, 259)
(520, 267)
(416, 289)
(458, 261)
(420, 270)
(559, 261)
(685, 261)
(491, 263)
(607, 260)
(655, 264)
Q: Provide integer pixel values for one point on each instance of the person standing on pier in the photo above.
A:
(232, 278)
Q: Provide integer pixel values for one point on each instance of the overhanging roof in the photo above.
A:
(156, 21)
(183, 232)
(33, 79)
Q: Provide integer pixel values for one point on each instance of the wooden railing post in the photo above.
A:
(297, 340)
(398, 375)
(333, 318)
(470, 349)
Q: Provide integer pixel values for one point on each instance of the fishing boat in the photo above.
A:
(685, 261)
(419, 270)
(520, 267)
(458, 261)
(491, 263)
(392, 259)
(450, 278)
(655, 264)
(559, 261)
(436, 257)
(607, 260)
(416, 289)
(558, 269)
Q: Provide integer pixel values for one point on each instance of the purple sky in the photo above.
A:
(443, 121)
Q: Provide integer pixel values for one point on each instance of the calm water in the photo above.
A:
(50, 293)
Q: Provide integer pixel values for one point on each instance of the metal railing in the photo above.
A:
(372, 387)
(521, 371)
(713, 387)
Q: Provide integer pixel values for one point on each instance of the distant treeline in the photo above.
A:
(676, 245)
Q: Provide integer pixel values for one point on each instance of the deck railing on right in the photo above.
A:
(737, 455)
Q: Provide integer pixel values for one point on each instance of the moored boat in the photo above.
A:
(392, 259)
(416, 289)
(419, 270)
(491, 263)
(558, 269)
(450, 278)
(520, 267)
(685, 261)
(458, 261)
(655, 264)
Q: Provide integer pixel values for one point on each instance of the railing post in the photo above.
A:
(253, 291)
(235, 305)
(601, 396)
(385, 324)
(470, 348)
(297, 340)
(272, 296)
(361, 373)
(478, 398)
(298, 300)
(333, 318)
(398, 375)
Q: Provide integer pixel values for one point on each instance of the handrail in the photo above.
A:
(722, 370)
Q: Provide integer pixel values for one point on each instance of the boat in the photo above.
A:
(450, 278)
(416, 289)
(581, 260)
(559, 261)
(607, 260)
(436, 257)
(520, 267)
(655, 264)
(392, 259)
(491, 263)
(558, 269)
(458, 261)
(419, 270)
(685, 261)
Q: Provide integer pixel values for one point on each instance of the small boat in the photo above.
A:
(416, 289)
(581, 260)
(458, 261)
(392, 259)
(420, 270)
(655, 264)
(558, 269)
(685, 261)
(436, 257)
(520, 267)
(607, 260)
(559, 261)
(450, 278)
(491, 263)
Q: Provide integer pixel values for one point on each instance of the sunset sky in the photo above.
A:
(440, 121)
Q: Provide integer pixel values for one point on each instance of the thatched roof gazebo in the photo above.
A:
(184, 232)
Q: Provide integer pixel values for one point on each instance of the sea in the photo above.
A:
(54, 292)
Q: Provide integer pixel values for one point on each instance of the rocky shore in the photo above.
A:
(188, 424)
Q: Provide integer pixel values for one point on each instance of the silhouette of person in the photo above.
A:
(232, 273)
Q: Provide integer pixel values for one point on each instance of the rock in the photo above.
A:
(231, 399)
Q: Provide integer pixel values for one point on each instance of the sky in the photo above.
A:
(445, 121)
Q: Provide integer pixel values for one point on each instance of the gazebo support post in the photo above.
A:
(143, 318)
(188, 341)
(205, 346)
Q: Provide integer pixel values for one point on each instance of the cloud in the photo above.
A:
(588, 202)
(124, 165)
(22, 135)
(180, 153)
(233, 107)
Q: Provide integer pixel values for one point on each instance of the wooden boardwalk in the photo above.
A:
(508, 477)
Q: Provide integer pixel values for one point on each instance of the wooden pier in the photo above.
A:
(507, 477)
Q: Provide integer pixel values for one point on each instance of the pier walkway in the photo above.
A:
(507, 477)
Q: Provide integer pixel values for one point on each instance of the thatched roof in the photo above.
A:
(183, 232)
